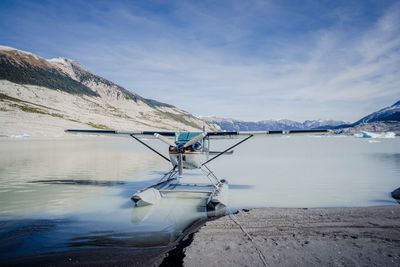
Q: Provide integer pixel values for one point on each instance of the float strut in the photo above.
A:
(180, 164)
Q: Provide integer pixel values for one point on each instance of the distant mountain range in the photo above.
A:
(270, 125)
(44, 96)
(386, 119)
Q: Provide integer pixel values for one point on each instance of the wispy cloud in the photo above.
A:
(250, 60)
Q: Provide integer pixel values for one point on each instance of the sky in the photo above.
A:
(249, 60)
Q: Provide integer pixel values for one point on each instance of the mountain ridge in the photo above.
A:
(385, 119)
(11, 59)
(390, 113)
(35, 91)
(269, 125)
(21, 68)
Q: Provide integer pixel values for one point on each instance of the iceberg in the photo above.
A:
(365, 134)
(19, 135)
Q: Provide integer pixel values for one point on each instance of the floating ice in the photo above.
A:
(19, 135)
(365, 134)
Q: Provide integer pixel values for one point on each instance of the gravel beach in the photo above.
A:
(365, 236)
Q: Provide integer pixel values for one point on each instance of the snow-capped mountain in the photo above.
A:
(391, 113)
(384, 120)
(270, 125)
(39, 95)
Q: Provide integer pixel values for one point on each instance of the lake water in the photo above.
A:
(58, 195)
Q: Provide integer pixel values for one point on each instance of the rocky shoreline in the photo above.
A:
(361, 236)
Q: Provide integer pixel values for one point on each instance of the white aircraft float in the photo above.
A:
(188, 150)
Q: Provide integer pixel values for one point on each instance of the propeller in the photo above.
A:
(195, 139)
(165, 139)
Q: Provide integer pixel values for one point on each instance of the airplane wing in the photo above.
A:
(144, 134)
(219, 134)
(230, 134)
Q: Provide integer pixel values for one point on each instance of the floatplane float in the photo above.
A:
(189, 150)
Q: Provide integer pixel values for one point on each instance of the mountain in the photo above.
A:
(270, 125)
(374, 127)
(45, 96)
(383, 120)
(391, 113)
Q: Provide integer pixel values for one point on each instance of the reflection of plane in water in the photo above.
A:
(165, 221)
(188, 150)
(157, 225)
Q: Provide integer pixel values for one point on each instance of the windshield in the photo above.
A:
(186, 136)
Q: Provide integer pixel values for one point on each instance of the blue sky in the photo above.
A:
(249, 60)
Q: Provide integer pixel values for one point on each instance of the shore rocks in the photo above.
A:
(396, 194)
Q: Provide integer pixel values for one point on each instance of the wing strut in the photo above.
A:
(149, 147)
(226, 150)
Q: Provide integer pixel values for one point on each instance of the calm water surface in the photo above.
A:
(75, 193)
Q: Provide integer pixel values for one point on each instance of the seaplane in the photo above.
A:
(188, 151)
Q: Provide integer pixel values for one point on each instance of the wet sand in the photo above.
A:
(366, 236)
